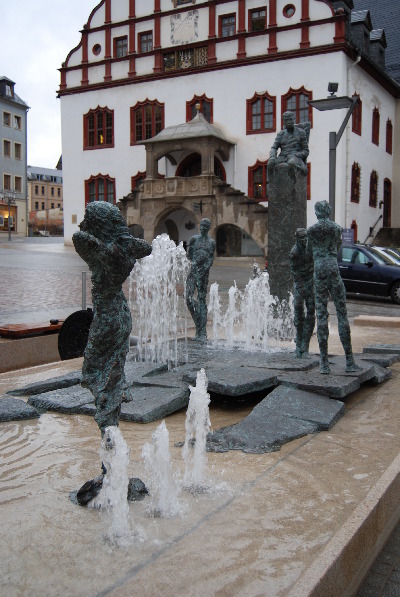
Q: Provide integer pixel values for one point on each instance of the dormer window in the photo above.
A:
(9, 90)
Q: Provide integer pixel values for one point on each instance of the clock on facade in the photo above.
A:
(184, 27)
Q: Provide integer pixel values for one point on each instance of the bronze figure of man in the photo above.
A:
(292, 143)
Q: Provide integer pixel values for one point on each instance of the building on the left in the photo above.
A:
(13, 162)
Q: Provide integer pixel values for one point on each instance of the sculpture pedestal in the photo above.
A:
(287, 211)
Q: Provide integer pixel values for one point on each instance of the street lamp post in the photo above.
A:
(333, 102)
(8, 196)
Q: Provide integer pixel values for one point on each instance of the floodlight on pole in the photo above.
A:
(332, 102)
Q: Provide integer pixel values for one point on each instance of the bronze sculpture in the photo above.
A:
(325, 238)
(110, 251)
(201, 254)
(293, 145)
(302, 268)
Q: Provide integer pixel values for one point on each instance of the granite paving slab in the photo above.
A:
(320, 410)
(12, 409)
(382, 348)
(332, 385)
(236, 381)
(338, 367)
(66, 400)
(151, 403)
(256, 435)
(47, 385)
(382, 359)
(284, 361)
(381, 374)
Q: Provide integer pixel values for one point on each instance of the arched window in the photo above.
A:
(260, 114)
(147, 120)
(355, 183)
(206, 107)
(296, 101)
(257, 185)
(356, 117)
(375, 126)
(389, 136)
(191, 166)
(373, 189)
(98, 128)
(100, 188)
(137, 180)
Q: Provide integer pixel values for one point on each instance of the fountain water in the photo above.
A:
(253, 316)
(114, 454)
(163, 488)
(197, 425)
(154, 290)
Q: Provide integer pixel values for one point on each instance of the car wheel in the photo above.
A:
(395, 292)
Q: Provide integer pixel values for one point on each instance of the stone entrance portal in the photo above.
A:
(197, 158)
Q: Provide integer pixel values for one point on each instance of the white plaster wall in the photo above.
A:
(396, 169)
(74, 78)
(76, 56)
(144, 65)
(119, 70)
(288, 40)
(283, 21)
(119, 11)
(319, 10)
(322, 34)
(226, 51)
(119, 31)
(256, 45)
(96, 74)
(98, 17)
(98, 37)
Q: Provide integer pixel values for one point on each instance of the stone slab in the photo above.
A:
(66, 400)
(151, 403)
(332, 385)
(377, 321)
(28, 352)
(320, 410)
(237, 381)
(382, 348)
(382, 359)
(338, 367)
(48, 385)
(12, 409)
(381, 374)
(282, 361)
(255, 435)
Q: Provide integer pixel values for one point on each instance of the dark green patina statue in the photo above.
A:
(325, 238)
(201, 254)
(293, 145)
(110, 251)
(302, 268)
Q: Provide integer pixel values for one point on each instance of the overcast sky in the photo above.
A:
(36, 36)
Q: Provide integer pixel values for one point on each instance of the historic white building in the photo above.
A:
(142, 66)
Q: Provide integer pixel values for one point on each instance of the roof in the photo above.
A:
(197, 127)
(361, 16)
(378, 35)
(385, 14)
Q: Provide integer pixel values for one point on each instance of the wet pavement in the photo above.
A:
(41, 279)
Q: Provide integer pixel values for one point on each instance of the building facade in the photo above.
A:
(45, 199)
(148, 66)
(13, 162)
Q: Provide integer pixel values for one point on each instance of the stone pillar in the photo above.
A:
(287, 211)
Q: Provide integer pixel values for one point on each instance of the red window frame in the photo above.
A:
(97, 188)
(205, 102)
(258, 175)
(299, 95)
(98, 128)
(137, 179)
(120, 46)
(147, 120)
(355, 183)
(145, 41)
(373, 189)
(255, 20)
(356, 117)
(259, 101)
(389, 136)
(224, 26)
(375, 126)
